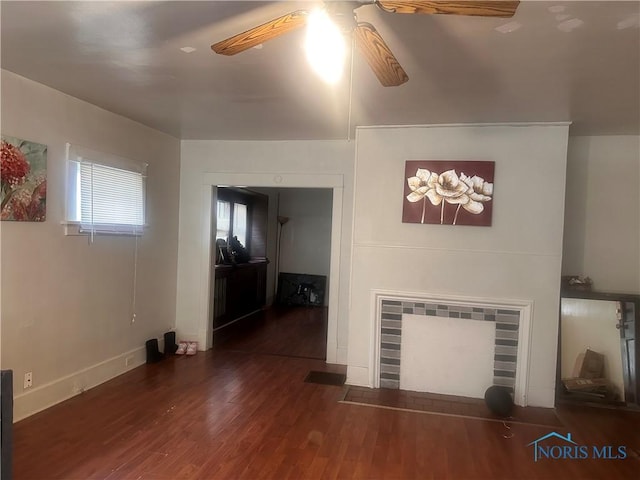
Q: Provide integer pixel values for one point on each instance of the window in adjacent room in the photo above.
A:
(238, 227)
(242, 213)
(105, 193)
(240, 222)
(224, 219)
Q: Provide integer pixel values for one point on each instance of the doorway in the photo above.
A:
(334, 182)
(279, 276)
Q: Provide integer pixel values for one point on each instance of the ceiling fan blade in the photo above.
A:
(379, 57)
(260, 34)
(483, 8)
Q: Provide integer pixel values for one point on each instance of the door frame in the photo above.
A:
(335, 182)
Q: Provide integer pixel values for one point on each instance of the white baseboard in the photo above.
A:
(341, 356)
(358, 376)
(44, 396)
(541, 397)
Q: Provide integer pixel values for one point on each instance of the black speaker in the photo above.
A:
(170, 345)
(499, 400)
(153, 353)
(6, 424)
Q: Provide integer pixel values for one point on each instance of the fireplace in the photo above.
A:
(451, 345)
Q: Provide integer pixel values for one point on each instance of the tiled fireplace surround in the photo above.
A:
(507, 321)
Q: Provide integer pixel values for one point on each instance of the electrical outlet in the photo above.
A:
(28, 380)
(128, 361)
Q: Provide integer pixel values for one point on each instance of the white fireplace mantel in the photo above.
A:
(512, 319)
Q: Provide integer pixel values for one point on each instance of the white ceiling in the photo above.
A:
(126, 58)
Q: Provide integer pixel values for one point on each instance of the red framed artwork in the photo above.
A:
(24, 180)
(448, 192)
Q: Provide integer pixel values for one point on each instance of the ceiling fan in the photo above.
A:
(368, 41)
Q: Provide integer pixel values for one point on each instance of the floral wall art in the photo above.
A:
(24, 180)
(448, 192)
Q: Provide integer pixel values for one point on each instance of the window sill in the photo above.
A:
(73, 229)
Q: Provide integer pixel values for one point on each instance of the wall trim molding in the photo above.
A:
(341, 355)
(453, 250)
(293, 180)
(358, 376)
(208, 184)
(525, 307)
(449, 125)
(49, 394)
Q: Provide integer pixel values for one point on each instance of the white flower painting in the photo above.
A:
(448, 192)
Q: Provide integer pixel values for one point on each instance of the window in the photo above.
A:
(240, 222)
(225, 229)
(105, 194)
(224, 220)
(242, 213)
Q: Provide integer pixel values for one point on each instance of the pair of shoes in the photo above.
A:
(188, 348)
(192, 348)
(182, 348)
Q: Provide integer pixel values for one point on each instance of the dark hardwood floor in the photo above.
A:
(230, 414)
(290, 331)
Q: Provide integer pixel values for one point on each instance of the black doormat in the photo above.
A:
(326, 378)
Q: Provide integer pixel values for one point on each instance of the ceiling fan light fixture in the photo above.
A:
(325, 47)
(334, 31)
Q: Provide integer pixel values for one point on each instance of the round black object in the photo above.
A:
(499, 400)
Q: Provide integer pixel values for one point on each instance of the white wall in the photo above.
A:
(199, 158)
(306, 238)
(602, 215)
(437, 352)
(518, 257)
(66, 304)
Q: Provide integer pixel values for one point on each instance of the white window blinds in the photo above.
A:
(106, 194)
(224, 220)
(240, 222)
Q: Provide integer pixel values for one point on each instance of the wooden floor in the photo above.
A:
(449, 405)
(290, 331)
(228, 414)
